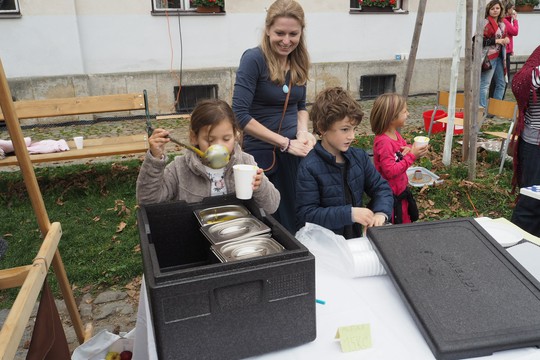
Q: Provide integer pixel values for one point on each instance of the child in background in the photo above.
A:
(333, 177)
(391, 154)
(186, 177)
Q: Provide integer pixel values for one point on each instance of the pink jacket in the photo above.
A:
(512, 29)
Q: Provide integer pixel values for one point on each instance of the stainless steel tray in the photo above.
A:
(246, 248)
(235, 229)
(219, 214)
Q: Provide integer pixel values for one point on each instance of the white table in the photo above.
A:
(372, 300)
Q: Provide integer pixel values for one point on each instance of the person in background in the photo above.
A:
(526, 89)
(269, 101)
(392, 155)
(187, 177)
(512, 29)
(494, 48)
(333, 177)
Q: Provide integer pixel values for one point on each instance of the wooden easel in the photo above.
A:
(30, 278)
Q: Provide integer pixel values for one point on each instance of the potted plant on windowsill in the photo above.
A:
(208, 6)
(526, 5)
(377, 5)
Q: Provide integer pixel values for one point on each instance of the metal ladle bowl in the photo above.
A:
(216, 156)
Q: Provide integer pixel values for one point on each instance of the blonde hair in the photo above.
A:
(331, 105)
(386, 109)
(299, 58)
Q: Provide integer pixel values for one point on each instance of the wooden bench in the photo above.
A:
(105, 146)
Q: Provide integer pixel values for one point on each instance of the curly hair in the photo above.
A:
(331, 105)
(386, 109)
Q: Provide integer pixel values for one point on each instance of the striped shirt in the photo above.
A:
(531, 132)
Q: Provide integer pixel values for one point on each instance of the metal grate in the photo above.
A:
(372, 86)
(191, 94)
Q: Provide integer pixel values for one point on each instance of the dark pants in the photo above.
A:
(527, 212)
(284, 179)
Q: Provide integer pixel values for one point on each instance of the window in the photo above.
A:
(399, 8)
(191, 94)
(171, 5)
(372, 86)
(9, 7)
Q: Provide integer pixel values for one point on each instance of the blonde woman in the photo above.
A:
(270, 102)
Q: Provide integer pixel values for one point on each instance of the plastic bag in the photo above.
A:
(350, 258)
(99, 345)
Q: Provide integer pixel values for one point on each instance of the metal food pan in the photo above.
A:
(235, 229)
(246, 248)
(217, 214)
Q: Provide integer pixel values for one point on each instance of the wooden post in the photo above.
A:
(468, 80)
(475, 110)
(27, 169)
(448, 139)
(414, 47)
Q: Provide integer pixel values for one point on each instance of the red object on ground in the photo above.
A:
(437, 127)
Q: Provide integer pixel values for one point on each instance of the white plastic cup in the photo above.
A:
(359, 244)
(78, 142)
(421, 140)
(367, 263)
(243, 180)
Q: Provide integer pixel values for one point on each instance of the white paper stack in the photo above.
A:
(532, 191)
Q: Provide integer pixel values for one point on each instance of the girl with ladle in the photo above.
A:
(192, 178)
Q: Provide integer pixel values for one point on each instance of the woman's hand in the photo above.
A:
(306, 136)
(299, 147)
(257, 179)
(157, 142)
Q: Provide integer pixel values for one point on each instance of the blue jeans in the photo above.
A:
(497, 73)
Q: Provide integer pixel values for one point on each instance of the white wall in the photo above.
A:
(60, 37)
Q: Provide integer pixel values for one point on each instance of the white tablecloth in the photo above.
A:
(372, 300)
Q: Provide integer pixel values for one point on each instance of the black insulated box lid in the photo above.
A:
(204, 309)
(467, 294)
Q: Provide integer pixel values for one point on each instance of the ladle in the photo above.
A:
(216, 156)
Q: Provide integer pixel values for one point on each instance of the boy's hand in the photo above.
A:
(257, 179)
(378, 220)
(362, 216)
(157, 142)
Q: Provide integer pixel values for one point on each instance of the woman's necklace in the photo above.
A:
(285, 87)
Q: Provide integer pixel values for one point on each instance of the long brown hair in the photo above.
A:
(299, 58)
(491, 4)
(386, 109)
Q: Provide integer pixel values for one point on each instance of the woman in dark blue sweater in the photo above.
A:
(269, 102)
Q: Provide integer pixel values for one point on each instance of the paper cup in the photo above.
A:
(367, 263)
(359, 244)
(421, 140)
(78, 142)
(243, 180)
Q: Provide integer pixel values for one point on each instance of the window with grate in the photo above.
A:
(191, 94)
(175, 6)
(9, 8)
(372, 86)
(396, 6)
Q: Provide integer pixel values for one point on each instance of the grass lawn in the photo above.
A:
(95, 204)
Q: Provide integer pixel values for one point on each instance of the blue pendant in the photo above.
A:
(285, 89)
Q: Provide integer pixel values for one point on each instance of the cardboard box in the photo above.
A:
(204, 309)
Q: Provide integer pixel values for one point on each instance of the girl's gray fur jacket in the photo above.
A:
(185, 179)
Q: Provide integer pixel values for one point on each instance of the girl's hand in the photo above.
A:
(405, 150)
(157, 142)
(419, 150)
(362, 216)
(307, 137)
(257, 179)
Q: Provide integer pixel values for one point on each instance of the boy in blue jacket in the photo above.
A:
(333, 177)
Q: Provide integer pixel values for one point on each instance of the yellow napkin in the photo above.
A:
(354, 337)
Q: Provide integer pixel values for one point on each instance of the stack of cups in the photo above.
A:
(364, 258)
